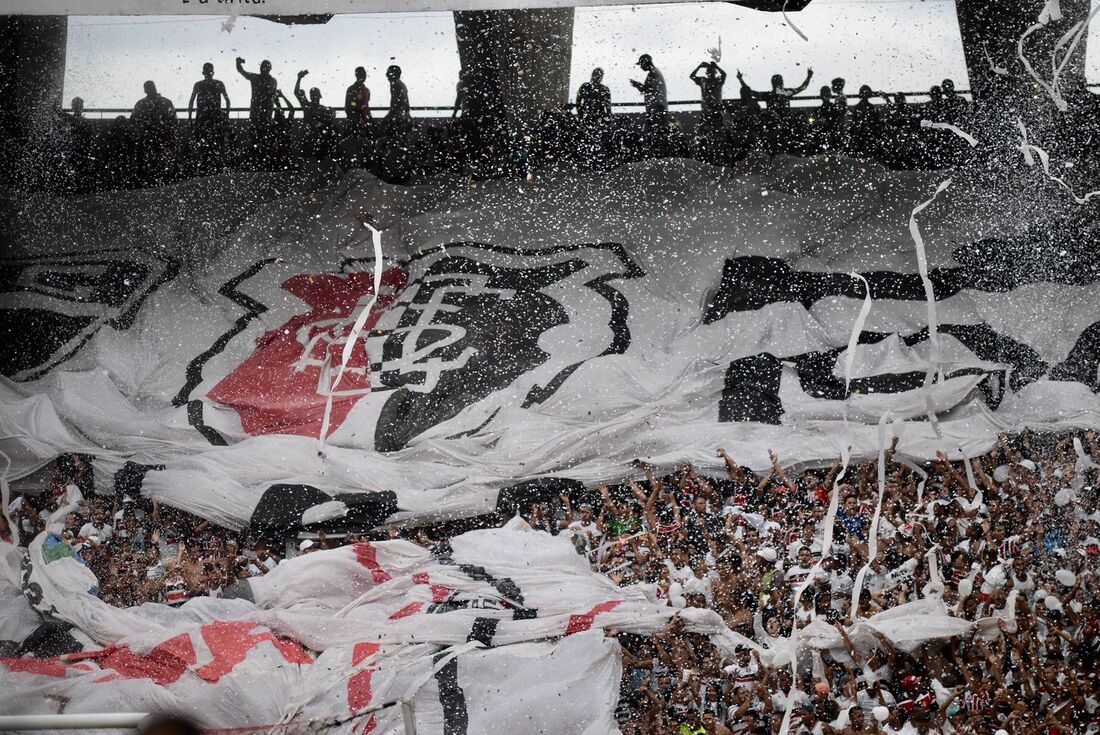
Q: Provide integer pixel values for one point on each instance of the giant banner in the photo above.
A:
(557, 328)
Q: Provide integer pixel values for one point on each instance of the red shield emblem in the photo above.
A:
(281, 387)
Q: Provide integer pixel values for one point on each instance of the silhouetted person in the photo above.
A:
(594, 99)
(77, 107)
(399, 117)
(319, 119)
(357, 100)
(154, 121)
(779, 98)
(205, 103)
(654, 92)
(839, 97)
(264, 89)
(826, 120)
(954, 105)
(710, 87)
(154, 115)
(866, 123)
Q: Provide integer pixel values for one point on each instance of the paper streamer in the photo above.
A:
(793, 692)
(930, 294)
(1053, 93)
(970, 475)
(1079, 31)
(787, 20)
(1030, 151)
(1084, 462)
(872, 534)
(999, 70)
(853, 338)
(834, 503)
(953, 128)
(229, 23)
(920, 471)
(935, 580)
(5, 498)
(716, 53)
(356, 330)
(1051, 11)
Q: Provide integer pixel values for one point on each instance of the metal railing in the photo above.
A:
(439, 111)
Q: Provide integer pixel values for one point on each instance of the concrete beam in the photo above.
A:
(995, 28)
(32, 69)
(527, 52)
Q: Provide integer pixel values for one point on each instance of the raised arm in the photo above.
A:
(780, 473)
(721, 72)
(805, 83)
(298, 93)
(240, 69)
(564, 522)
(732, 468)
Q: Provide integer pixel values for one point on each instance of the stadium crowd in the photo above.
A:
(1009, 541)
(151, 146)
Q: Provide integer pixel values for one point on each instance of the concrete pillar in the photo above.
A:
(527, 52)
(997, 26)
(32, 69)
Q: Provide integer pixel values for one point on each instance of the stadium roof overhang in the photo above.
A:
(320, 11)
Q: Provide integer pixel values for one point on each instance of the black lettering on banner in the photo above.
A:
(506, 586)
(753, 282)
(51, 306)
(456, 718)
(751, 390)
(483, 631)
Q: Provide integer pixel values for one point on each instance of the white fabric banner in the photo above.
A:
(555, 328)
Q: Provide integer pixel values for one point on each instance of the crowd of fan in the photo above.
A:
(1010, 542)
(1015, 540)
(480, 140)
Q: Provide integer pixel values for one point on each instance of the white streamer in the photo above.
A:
(973, 483)
(787, 20)
(353, 336)
(1051, 91)
(5, 498)
(929, 292)
(953, 128)
(920, 471)
(1028, 149)
(1051, 11)
(935, 579)
(853, 339)
(834, 503)
(1084, 462)
(999, 70)
(1081, 29)
(872, 533)
(229, 23)
(716, 53)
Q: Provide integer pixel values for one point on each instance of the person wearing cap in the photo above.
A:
(653, 89)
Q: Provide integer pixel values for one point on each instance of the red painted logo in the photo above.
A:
(281, 387)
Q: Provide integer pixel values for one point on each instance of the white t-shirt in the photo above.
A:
(795, 546)
(743, 676)
(796, 575)
(584, 529)
(103, 533)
